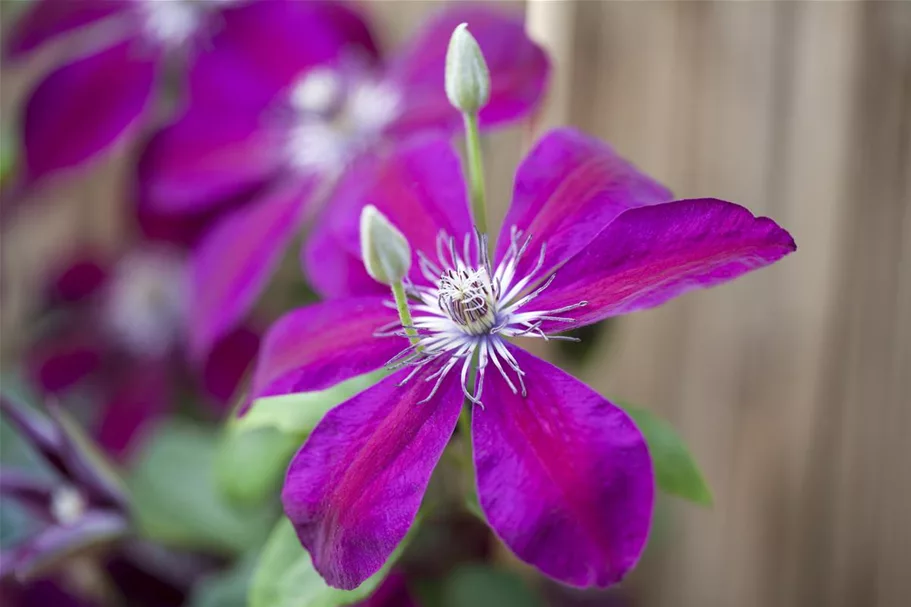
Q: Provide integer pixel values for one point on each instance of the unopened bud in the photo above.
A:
(387, 256)
(467, 77)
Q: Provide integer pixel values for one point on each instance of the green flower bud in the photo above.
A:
(467, 77)
(387, 256)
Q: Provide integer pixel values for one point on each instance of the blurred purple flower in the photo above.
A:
(119, 51)
(563, 475)
(265, 123)
(121, 329)
(85, 508)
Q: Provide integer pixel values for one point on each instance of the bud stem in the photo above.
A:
(401, 304)
(475, 172)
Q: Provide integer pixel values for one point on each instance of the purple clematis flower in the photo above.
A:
(119, 330)
(85, 507)
(284, 131)
(563, 475)
(120, 50)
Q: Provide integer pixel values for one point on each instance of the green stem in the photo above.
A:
(401, 304)
(475, 172)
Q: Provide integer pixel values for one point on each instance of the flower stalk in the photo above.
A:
(468, 90)
(401, 304)
(476, 187)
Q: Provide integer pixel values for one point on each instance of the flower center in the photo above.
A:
(470, 310)
(337, 115)
(146, 303)
(171, 21)
(67, 505)
(469, 299)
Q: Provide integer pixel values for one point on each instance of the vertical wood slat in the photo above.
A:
(791, 384)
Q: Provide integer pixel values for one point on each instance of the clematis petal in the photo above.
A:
(80, 279)
(205, 157)
(234, 262)
(262, 47)
(34, 493)
(106, 94)
(652, 254)
(518, 70)
(417, 185)
(332, 269)
(564, 476)
(229, 362)
(140, 398)
(59, 542)
(317, 346)
(46, 20)
(60, 363)
(355, 487)
(568, 189)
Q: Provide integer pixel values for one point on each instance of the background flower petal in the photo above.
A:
(564, 476)
(417, 185)
(262, 47)
(233, 263)
(46, 20)
(60, 363)
(140, 398)
(568, 189)
(207, 156)
(651, 254)
(518, 70)
(106, 94)
(229, 363)
(354, 488)
(317, 346)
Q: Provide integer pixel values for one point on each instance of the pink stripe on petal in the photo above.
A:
(652, 254)
(207, 156)
(317, 346)
(564, 476)
(46, 20)
(82, 108)
(569, 188)
(354, 488)
(234, 262)
(518, 70)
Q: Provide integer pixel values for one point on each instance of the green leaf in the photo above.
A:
(176, 501)
(9, 155)
(482, 586)
(299, 413)
(285, 576)
(250, 465)
(676, 471)
(225, 589)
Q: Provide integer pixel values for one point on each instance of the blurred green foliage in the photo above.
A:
(676, 472)
(176, 501)
(285, 576)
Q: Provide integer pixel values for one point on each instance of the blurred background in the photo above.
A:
(792, 386)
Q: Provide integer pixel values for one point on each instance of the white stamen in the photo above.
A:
(170, 21)
(67, 505)
(470, 309)
(147, 301)
(336, 118)
(317, 91)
